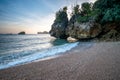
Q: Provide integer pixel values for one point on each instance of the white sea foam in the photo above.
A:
(40, 55)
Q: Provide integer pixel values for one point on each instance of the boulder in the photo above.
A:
(70, 39)
(83, 30)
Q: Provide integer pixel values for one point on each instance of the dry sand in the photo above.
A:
(100, 61)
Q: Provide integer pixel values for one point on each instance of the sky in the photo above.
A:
(31, 16)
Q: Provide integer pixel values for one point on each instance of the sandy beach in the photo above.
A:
(99, 61)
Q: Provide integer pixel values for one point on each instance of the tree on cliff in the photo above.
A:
(83, 14)
(76, 10)
(61, 15)
(110, 10)
(86, 8)
(75, 14)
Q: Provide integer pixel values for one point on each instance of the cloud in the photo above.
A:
(33, 22)
(33, 25)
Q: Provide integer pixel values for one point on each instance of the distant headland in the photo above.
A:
(21, 33)
(44, 32)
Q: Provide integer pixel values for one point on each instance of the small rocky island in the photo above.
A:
(97, 21)
(21, 33)
(44, 32)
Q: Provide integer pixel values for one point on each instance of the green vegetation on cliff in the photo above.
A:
(85, 13)
(102, 11)
(61, 15)
(110, 10)
(90, 20)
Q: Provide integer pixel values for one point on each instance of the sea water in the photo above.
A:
(21, 49)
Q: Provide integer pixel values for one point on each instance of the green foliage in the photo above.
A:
(83, 14)
(82, 19)
(107, 16)
(101, 11)
(61, 15)
(94, 12)
(110, 10)
(65, 9)
(94, 15)
(112, 15)
(105, 4)
(86, 8)
(76, 10)
(87, 13)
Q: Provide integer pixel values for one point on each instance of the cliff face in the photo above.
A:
(110, 32)
(62, 28)
(89, 22)
(58, 29)
(84, 30)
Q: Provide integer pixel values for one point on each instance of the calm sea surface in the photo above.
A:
(20, 49)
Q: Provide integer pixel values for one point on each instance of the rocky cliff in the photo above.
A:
(88, 22)
(60, 24)
(84, 30)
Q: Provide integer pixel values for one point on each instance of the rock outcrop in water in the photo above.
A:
(60, 23)
(44, 32)
(91, 21)
(21, 33)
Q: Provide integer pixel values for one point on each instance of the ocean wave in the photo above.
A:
(55, 50)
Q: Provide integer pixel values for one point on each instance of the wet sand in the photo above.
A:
(99, 61)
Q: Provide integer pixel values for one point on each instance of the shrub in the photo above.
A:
(61, 15)
(112, 15)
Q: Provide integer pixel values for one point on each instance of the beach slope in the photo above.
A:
(99, 61)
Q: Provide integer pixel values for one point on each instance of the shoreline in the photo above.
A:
(100, 60)
(47, 53)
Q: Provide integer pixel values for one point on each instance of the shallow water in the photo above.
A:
(20, 49)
